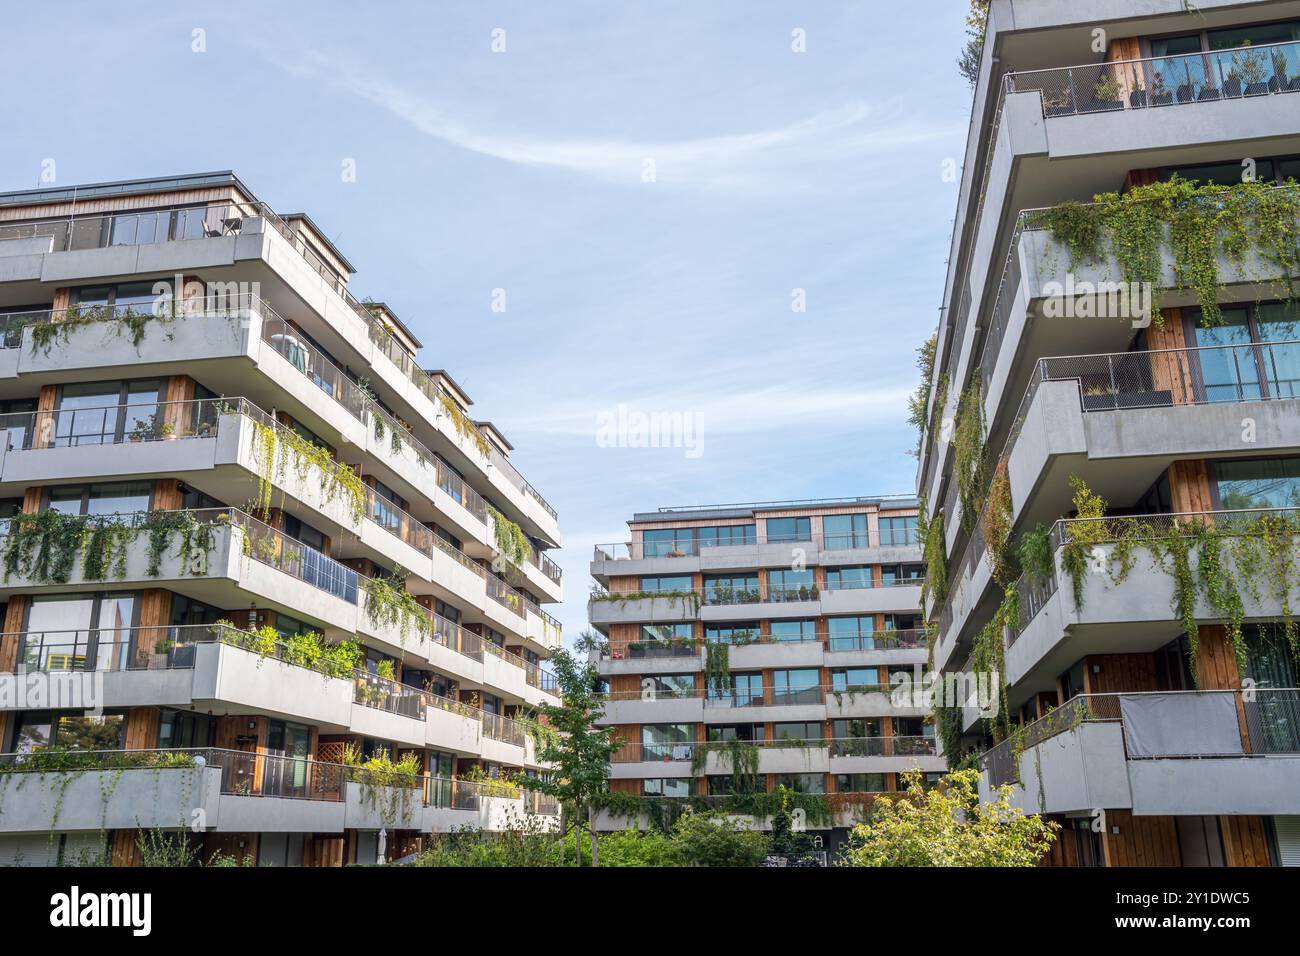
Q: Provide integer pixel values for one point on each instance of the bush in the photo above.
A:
(704, 839)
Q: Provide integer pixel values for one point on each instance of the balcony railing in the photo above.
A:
(312, 363)
(835, 747)
(1165, 80)
(833, 541)
(888, 639)
(745, 697)
(275, 776)
(1261, 721)
(112, 424)
(504, 729)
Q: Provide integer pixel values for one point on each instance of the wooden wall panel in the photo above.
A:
(15, 618)
(1141, 841)
(1065, 848)
(1119, 673)
(1189, 486)
(1216, 661)
(142, 728)
(1245, 841)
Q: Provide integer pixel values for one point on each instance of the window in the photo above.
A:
(802, 782)
(841, 532)
(1246, 357)
(796, 686)
(860, 783)
(898, 531)
(1257, 483)
(797, 730)
(720, 786)
(37, 730)
(731, 589)
(304, 533)
(851, 633)
(672, 686)
(388, 507)
(98, 413)
(901, 574)
(180, 728)
(667, 741)
(745, 690)
(668, 542)
(730, 633)
(78, 632)
(857, 738)
(667, 632)
(728, 536)
(854, 678)
(783, 585)
(789, 529)
(16, 419)
(804, 629)
(666, 787)
(675, 583)
(719, 733)
(118, 498)
(848, 578)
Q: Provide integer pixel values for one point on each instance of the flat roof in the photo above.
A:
(121, 187)
(748, 508)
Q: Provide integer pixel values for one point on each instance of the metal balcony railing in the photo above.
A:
(663, 752)
(1164, 81)
(277, 776)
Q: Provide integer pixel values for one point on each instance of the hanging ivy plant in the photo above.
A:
(276, 449)
(931, 535)
(511, 542)
(389, 604)
(1196, 225)
(464, 427)
(968, 453)
(717, 667)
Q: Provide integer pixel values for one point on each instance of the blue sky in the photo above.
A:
(524, 171)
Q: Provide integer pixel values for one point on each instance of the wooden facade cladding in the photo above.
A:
(83, 208)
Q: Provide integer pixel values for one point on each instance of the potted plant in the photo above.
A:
(1251, 65)
(1232, 83)
(1108, 94)
(1280, 80)
(1160, 96)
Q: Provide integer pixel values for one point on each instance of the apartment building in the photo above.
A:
(267, 581)
(1111, 495)
(752, 647)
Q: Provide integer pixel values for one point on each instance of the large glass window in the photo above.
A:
(671, 685)
(789, 529)
(731, 633)
(855, 678)
(785, 585)
(1257, 483)
(898, 531)
(1250, 355)
(727, 536)
(842, 532)
(851, 633)
(901, 573)
(797, 730)
(719, 733)
(731, 589)
(802, 782)
(804, 629)
(850, 577)
(800, 686)
(680, 582)
(97, 413)
(667, 741)
(78, 632)
(860, 783)
(857, 738)
(745, 690)
(666, 787)
(668, 542)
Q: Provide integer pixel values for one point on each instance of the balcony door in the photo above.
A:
(1252, 355)
(79, 633)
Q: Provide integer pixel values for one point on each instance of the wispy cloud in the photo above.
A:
(788, 156)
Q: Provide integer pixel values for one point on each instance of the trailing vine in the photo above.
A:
(389, 604)
(968, 453)
(511, 542)
(44, 546)
(717, 667)
(1197, 225)
(276, 448)
(997, 525)
(465, 428)
(930, 532)
(129, 323)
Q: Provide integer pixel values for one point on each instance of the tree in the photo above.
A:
(703, 839)
(948, 825)
(577, 750)
(969, 61)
